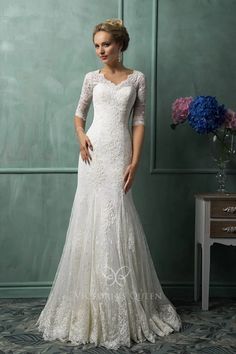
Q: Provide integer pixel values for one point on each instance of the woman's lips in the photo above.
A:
(104, 57)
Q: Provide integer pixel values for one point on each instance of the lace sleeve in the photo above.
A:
(85, 98)
(140, 102)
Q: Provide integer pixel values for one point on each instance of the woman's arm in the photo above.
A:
(138, 123)
(84, 140)
(79, 125)
(138, 130)
(137, 143)
(81, 115)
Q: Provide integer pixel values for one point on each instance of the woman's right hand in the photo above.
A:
(85, 144)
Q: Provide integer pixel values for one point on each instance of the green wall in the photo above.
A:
(184, 47)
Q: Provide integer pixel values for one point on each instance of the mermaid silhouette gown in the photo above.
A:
(106, 290)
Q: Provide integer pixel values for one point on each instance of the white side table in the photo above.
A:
(215, 222)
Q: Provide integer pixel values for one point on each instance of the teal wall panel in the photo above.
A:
(46, 48)
(35, 210)
(195, 57)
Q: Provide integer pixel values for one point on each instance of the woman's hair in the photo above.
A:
(118, 31)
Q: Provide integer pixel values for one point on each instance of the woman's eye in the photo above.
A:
(105, 44)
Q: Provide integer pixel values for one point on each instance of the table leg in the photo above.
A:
(205, 275)
(196, 271)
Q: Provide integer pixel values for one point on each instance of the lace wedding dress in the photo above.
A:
(106, 290)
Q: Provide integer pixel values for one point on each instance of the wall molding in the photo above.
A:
(153, 110)
(154, 169)
(121, 9)
(187, 171)
(38, 170)
(52, 170)
(74, 170)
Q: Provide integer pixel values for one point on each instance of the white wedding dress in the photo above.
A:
(106, 290)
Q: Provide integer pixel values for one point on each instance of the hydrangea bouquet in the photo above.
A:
(206, 116)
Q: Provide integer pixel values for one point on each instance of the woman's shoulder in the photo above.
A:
(136, 72)
(140, 74)
(137, 77)
(141, 78)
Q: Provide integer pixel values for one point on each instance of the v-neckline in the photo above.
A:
(113, 83)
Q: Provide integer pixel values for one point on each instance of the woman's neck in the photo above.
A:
(114, 68)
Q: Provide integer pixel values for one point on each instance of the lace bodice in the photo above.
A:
(133, 102)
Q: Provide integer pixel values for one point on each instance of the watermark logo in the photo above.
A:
(117, 277)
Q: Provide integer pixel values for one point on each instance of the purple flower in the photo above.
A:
(180, 109)
(230, 119)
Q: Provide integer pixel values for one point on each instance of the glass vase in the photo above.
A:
(222, 149)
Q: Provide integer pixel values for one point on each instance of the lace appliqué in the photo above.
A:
(87, 93)
(85, 97)
(140, 102)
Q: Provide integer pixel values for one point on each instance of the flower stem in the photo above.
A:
(222, 141)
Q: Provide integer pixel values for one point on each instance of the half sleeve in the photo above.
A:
(140, 102)
(85, 98)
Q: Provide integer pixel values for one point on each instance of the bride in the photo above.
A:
(106, 290)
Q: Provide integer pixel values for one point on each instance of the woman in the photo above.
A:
(106, 290)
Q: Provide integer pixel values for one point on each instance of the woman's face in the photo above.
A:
(106, 48)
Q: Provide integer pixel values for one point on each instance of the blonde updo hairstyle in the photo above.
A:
(118, 31)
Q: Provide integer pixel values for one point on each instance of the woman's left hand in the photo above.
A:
(129, 176)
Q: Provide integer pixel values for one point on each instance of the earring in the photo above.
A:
(120, 55)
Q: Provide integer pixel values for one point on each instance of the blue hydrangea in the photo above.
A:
(205, 115)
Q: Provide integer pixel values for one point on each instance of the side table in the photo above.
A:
(215, 222)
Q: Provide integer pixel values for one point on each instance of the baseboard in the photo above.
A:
(186, 289)
(171, 289)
